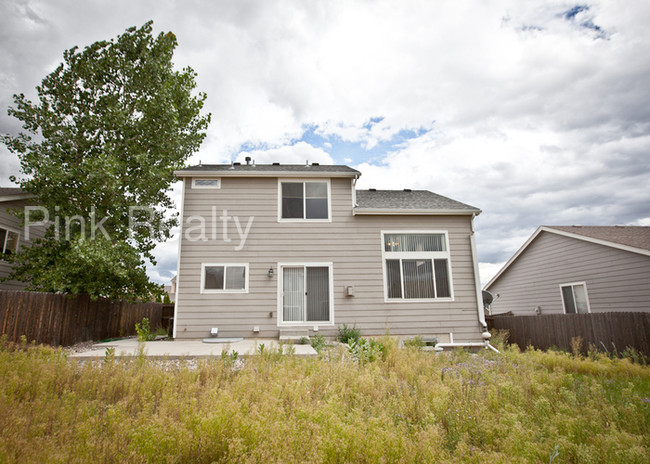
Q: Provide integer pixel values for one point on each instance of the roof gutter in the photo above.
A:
(211, 174)
(21, 196)
(414, 212)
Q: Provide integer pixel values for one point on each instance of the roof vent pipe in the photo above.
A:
(306, 163)
(248, 160)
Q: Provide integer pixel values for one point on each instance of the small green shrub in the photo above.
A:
(318, 342)
(303, 341)
(348, 333)
(365, 351)
(415, 342)
(109, 357)
(144, 331)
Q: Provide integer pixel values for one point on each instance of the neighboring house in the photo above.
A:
(291, 250)
(11, 231)
(576, 269)
(171, 289)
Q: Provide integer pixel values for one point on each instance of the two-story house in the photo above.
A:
(271, 250)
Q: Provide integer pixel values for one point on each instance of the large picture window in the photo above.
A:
(574, 298)
(224, 278)
(304, 200)
(416, 266)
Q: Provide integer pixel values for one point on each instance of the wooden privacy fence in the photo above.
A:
(56, 319)
(606, 331)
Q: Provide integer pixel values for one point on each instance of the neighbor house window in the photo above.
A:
(8, 242)
(224, 278)
(416, 266)
(574, 298)
(206, 183)
(304, 200)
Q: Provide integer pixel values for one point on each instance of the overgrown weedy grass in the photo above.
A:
(405, 406)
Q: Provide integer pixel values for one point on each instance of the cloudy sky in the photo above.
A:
(537, 112)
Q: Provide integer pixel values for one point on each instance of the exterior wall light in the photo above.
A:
(270, 272)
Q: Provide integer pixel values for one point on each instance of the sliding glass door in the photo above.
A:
(306, 294)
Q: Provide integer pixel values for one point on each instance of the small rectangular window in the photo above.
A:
(224, 278)
(292, 203)
(304, 200)
(206, 183)
(574, 298)
(8, 242)
(315, 200)
(414, 242)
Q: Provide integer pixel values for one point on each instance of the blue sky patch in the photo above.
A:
(587, 23)
(342, 151)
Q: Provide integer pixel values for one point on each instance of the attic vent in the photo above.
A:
(408, 190)
(237, 164)
(315, 164)
(276, 164)
(372, 190)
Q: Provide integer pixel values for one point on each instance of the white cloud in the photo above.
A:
(297, 153)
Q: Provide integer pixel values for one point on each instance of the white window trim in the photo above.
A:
(416, 255)
(280, 321)
(572, 284)
(225, 265)
(303, 180)
(4, 244)
(213, 187)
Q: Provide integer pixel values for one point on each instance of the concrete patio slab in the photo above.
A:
(187, 349)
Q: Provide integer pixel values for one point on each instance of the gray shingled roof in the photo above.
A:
(408, 199)
(271, 168)
(633, 236)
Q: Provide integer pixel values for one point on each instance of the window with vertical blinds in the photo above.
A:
(416, 266)
(306, 294)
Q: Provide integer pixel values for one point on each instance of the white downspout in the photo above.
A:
(178, 258)
(477, 283)
(479, 303)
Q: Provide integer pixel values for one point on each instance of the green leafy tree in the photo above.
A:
(111, 124)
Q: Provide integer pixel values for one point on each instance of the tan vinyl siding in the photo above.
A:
(616, 280)
(353, 245)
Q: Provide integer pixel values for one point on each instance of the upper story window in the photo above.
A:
(8, 242)
(304, 200)
(416, 266)
(206, 183)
